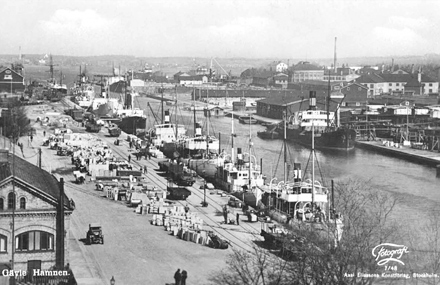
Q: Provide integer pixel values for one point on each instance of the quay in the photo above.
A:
(431, 158)
(260, 119)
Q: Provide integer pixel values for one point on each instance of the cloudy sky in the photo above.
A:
(227, 28)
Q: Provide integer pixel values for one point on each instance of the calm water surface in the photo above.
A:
(416, 183)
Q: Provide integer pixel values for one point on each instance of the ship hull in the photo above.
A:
(129, 125)
(340, 139)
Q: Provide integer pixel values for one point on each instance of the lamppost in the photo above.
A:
(204, 203)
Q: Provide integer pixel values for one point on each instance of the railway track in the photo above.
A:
(217, 227)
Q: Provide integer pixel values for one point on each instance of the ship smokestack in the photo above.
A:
(167, 117)
(297, 172)
(239, 156)
(312, 100)
(198, 130)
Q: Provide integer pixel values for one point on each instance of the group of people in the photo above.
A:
(180, 277)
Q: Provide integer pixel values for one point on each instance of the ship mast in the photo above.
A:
(313, 166)
(250, 161)
(285, 144)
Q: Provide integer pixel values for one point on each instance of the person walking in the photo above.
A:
(238, 219)
(184, 276)
(177, 277)
(129, 158)
(44, 133)
(32, 138)
(145, 169)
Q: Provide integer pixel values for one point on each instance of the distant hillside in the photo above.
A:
(104, 64)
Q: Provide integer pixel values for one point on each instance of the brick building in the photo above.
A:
(36, 213)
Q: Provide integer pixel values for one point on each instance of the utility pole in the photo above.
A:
(39, 157)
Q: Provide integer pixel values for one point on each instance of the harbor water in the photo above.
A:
(415, 185)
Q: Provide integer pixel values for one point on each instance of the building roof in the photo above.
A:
(413, 82)
(6, 68)
(391, 78)
(305, 65)
(32, 175)
(192, 77)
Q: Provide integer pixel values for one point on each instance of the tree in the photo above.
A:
(312, 254)
(15, 122)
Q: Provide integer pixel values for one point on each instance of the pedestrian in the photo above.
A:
(21, 146)
(184, 276)
(149, 155)
(238, 219)
(177, 277)
(32, 137)
(186, 211)
(145, 170)
(44, 133)
(129, 158)
(130, 144)
(225, 213)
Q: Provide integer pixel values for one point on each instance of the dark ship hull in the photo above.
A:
(130, 124)
(339, 139)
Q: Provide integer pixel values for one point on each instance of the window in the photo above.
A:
(3, 244)
(430, 84)
(358, 104)
(371, 85)
(11, 200)
(348, 88)
(34, 241)
(2, 204)
(8, 77)
(343, 104)
(22, 203)
(390, 84)
(397, 84)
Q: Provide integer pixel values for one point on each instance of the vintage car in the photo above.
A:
(94, 234)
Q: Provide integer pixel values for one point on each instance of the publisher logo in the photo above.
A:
(387, 252)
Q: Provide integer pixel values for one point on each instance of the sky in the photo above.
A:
(226, 29)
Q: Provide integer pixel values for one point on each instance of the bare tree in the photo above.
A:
(313, 256)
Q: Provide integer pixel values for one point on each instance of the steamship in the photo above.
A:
(327, 135)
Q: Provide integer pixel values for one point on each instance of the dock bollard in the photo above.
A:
(438, 170)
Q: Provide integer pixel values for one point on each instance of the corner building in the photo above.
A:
(36, 202)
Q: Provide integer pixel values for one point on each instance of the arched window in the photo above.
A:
(2, 203)
(34, 241)
(3, 244)
(11, 200)
(22, 203)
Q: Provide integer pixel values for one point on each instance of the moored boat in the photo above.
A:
(299, 129)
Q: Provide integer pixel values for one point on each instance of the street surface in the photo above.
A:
(136, 252)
